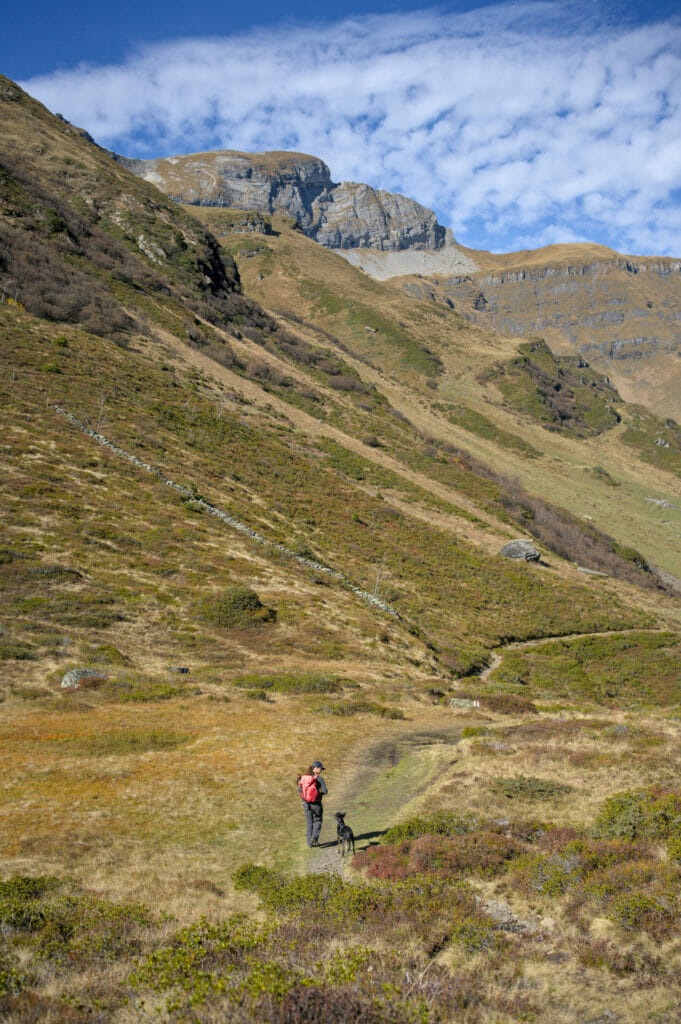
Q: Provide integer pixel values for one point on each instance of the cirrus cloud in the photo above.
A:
(520, 124)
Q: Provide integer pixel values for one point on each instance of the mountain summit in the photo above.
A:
(618, 312)
(348, 215)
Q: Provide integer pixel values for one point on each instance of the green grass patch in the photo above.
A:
(290, 682)
(640, 669)
(474, 422)
(119, 742)
(560, 392)
(355, 317)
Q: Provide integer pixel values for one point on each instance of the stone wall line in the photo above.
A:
(224, 517)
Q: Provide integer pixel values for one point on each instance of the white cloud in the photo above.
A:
(516, 122)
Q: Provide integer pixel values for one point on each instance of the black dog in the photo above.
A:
(344, 834)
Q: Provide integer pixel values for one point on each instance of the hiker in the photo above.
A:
(312, 788)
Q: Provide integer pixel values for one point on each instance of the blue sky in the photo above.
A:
(521, 124)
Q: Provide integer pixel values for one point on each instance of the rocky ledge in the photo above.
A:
(344, 215)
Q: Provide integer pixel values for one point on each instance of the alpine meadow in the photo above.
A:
(288, 474)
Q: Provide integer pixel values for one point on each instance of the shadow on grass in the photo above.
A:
(368, 836)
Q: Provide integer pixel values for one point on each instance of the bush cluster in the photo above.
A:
(361, 707)
(57, 929)
(235, 607)
(653, 813)
(530, 788)
(479, 853)
(444, 823)
(291, 682)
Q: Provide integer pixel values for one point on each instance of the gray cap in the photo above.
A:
(318, 764)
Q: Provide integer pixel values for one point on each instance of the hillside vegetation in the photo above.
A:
(619, 312)
(258, 500)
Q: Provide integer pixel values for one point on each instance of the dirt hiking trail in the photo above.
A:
(378, 786)
(381, 783)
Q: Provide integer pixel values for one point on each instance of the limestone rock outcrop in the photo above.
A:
(353, 216)
(621, 314)
(348, 215)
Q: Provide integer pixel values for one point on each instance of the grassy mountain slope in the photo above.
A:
(436, 369)
(305, 517)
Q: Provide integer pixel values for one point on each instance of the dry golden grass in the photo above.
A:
(171, 818)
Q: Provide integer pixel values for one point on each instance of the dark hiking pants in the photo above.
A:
(313, 817)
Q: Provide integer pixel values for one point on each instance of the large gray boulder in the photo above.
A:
(80, 677)
(521, 549)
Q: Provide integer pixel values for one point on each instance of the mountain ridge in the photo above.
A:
(338, 215)
(620, 312)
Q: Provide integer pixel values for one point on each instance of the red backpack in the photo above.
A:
(309, 789)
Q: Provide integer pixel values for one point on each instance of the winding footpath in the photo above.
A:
(539, 641)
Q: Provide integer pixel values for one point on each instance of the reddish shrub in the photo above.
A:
(309, 1004)
(508, 704)
(481, 853)
(557, 838)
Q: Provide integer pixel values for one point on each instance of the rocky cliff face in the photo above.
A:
(621, 313)
(340, 216)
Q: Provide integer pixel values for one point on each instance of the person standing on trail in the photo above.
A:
(312, 788)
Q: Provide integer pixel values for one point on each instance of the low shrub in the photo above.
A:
(638, 911)
(107, 654)
(332, 895)
(650, 813)
(508, 704)
(620, 962)
(566, 866)
(12, 978)
(144, 691)
(13, 650)
(290, 682)
(20, 898)
(530, 788)
(476, 933)
(236, 607)
(674, 847)
(68, 929)
(359, 707)
(308, 1004)
(82, 930)
(199, 958)
(443, 823)
(479, 853)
